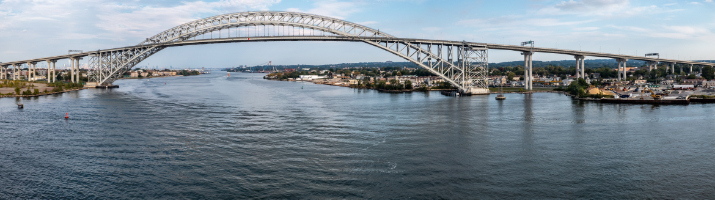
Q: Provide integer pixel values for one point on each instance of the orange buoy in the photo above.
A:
(67, 116)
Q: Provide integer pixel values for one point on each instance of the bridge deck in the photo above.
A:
(374, 39)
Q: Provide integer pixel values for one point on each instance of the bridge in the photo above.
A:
(461, 63)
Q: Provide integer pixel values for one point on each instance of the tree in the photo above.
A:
(578, 87)
(408, 84)
(510, 76)
(708, 73)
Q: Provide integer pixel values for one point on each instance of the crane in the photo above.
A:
(652, 94)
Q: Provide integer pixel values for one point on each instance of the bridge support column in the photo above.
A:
(51, 71)
(71, 70)
(30, 71)
(77, 72)
(578, 67)
(622, 74)
(583, 67)
(580, 71)
(691, 68)
(528, 75)
(672, 68)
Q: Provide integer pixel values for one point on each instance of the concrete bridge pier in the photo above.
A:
(31, 71)
(691, 68)
(583, 67)
(74, 71)
(71, 69)
(77, 72)
(14, 72)
(650, 65)
(672, 68)
(51, 71)
(580, 67)
(528, 75)
(622, 74)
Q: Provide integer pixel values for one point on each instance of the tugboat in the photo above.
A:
(500, 96)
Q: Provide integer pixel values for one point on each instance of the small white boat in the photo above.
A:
(500, 96)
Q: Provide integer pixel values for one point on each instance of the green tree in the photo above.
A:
(708, 73)
(510, 76)
(578, 87)
(408, 84)
(17, 91)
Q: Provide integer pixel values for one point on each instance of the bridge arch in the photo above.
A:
(467, 72)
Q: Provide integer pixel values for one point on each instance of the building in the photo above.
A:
(693, 81)
(566, 82)
(639, 82)
(708, 83)
(310, 77)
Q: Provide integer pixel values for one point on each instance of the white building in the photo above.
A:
(310, 77)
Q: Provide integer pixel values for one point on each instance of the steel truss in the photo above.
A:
(468, 72)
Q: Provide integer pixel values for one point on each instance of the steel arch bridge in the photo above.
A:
(463, 65)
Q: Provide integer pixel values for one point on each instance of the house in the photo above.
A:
(567, 82)
(666, 82)
(693, 81)
(639, 82)
(708, 83)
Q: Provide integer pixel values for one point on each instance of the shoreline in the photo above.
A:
(42, 94)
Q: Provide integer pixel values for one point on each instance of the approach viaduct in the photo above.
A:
(463, 64)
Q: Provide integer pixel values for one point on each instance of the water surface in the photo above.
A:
(242, 137)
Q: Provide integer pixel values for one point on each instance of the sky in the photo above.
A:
(675, 29)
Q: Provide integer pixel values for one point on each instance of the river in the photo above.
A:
(242, 137)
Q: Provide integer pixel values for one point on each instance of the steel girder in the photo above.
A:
(187, 30)
(468, 71)
(108, 66)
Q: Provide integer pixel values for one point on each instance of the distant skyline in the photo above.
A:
(676, 29)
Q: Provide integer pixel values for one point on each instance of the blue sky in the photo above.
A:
(676, 29)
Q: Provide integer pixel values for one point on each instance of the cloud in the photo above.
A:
(586, 28)
(603, 8)
(115, 20)
(149, 20)
(586, 7)
(512, 21)
(708, 1)
(367, 23)
(672, 32)
(431, 29)
(695, 3)
(335, 9)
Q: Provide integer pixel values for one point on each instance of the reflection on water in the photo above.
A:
(242, 137)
